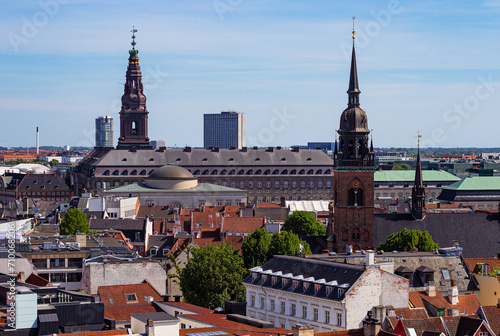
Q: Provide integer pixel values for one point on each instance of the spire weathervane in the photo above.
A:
(419, 135)
(353, 30)
(133, 31)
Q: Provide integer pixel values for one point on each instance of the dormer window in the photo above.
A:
(131, 297)
(295, 283)
(264, 277)
(306, 286)
(340, 292)
(316, 288)
(274, 279)
(328, 291)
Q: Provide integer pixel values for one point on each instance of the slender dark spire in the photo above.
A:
(335, 149)
(353, 90)
(418, 190)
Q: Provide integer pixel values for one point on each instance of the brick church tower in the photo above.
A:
(353, 175)
(133, 114)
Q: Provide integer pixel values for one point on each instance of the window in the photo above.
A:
(339, 319)
(262, 303)
(183, 326)
(252, 300)
(341, 291)
(242, 184)
(311, 184)
(131, 297)
(315, 314)
(328, 290)
(294, 184)
(110, 300)
(268, 184)
(293, 309)
(285, 184)
(54, 263)
(304, 312)
(57, 277)
(446, 274)
(328, 184)
(327, 317)
(73, 277)
(282, 307)
(277, 184)
(483, 333)
(302, 184)
(272, 305)
(259, 184)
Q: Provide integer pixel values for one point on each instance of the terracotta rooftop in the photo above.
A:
(116, 295)
(99, 333)
(492, 316)
(472, 263)
(429, 324)
(242, 224)
(467, 304)
(269, 206)
(36, 280)
(348, 332)
(122, 313)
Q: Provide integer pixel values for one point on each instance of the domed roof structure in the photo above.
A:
(354, 120)
(171, 177)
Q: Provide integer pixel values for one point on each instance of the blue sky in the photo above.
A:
(431, 66)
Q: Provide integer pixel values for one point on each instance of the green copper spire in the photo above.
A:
(133, 52)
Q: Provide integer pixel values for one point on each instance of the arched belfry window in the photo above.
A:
(134, 128)
(352, 197)
(350, 149)
(359, 197)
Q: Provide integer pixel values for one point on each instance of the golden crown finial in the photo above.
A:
(353, 30)
(419, 135)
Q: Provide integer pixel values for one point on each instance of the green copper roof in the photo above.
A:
(202, 187)
(409, 176)
(476, 183)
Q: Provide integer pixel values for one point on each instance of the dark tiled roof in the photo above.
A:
(161, 242)
(117, 224)
(468, 325)
(349, 332)
(445, 228)
(43, 182)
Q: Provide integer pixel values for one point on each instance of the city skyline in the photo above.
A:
(428, 66)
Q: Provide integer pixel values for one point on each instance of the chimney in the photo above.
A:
(370, 258)
(216, 149)
(431, 290)
(453, 312)
(150, 328)
(244, 149)
(270, 149)
(380, 312)
(453, 293)
(187, 149)
(300, 330)
(498, 304)
(371, 326)
(81, 238)
(177, 298)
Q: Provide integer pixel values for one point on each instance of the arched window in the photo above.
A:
(267, 172)
(143, 172)
(352, 197)
(134, 172)
(319, 171)
(355, 234)
(284, 172)
(328, 172)
(359, 197)
(115, 173)
(302, 172)
(125, 172)
(366, 235)
(196, 172)
(223, 172)
(106, 172)
(151, 172)
(350, 149)
(214, 172)
(232, 172)
(276, 172)
(134, 128)
(310, 172)
(241, 172)
(250, 172)
(293, 172)
(258, 172)
(205, 172)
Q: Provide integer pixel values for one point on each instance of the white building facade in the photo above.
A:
(291, 290)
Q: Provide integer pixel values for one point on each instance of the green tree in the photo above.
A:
(53, 163)
(287, 242)
(402, 166)
(409, 239)
(213, 275)
(74, 220)
(303, 223)
(255, 248)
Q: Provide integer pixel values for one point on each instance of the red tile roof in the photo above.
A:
(242, 224)
(421, 325)
(190, 306)
(233, 327)
(492, 315)
(472, 263)
(269, 206)
(407, 313)
(122, 313)
(117, 293)
(467, 304)
(36, 280)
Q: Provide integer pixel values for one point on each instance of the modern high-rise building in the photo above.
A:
(224, 130)
(104, 131)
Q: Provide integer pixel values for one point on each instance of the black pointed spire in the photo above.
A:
(418, 190)
(353, 90)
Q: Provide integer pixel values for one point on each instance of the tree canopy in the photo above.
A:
(409, 239)
(303, 223)
(54, 162)
(74, 220)
(255, 248)
(213, 275)
(287, 242)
